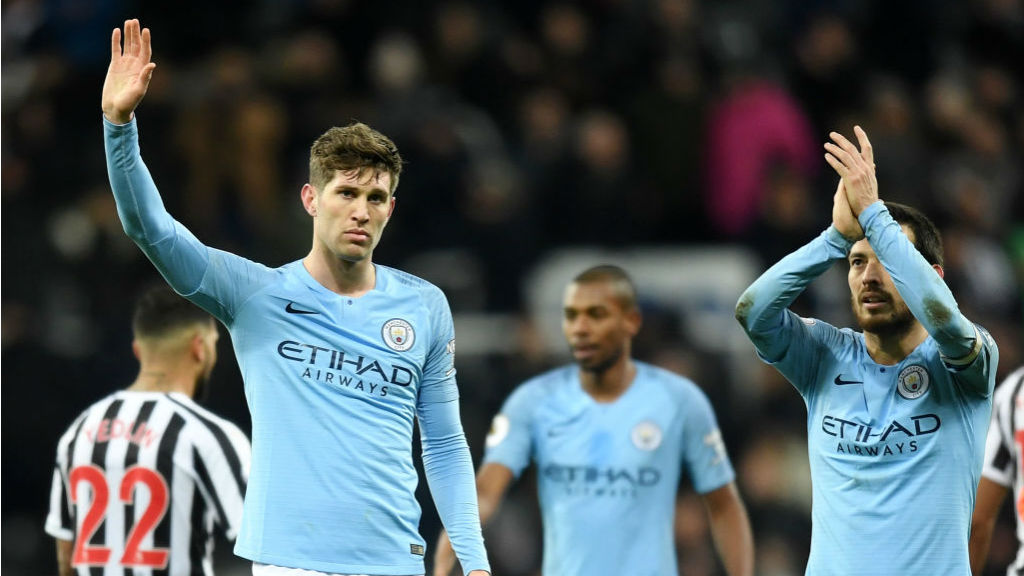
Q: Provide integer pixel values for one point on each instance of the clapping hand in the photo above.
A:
(856, 168)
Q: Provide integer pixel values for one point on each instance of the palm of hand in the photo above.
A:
(122, 86)
(129, 73)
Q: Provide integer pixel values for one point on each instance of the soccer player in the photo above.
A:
(610, 437)
(339, 356)
(145, 475)
(896, 413)
(1004, 455)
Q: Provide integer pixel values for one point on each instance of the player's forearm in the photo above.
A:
(64, 557)
(449, 471)
(761, 308)
(920, 286)
(730, 529)
(988, 502)
(981, 539)
(139, 204)
(179, 256)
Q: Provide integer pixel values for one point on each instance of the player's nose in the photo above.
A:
(872, 274)
(579, 326)
(360, 210)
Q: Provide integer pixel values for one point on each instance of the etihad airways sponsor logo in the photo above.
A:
(602, 481)
(341, 368)
(900, 436)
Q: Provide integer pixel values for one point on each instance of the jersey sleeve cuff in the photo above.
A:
(59, 532)
(965, 360)
(118, 128)
(1004, 480)
(868, 214)
(839, 243)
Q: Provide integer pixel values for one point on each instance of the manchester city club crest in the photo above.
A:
(912, 382)
(398, 334)
(646, 436)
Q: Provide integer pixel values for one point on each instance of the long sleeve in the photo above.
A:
(177, 254)
(761, 309)
(449, 470)
(924, 291)
(216, 280)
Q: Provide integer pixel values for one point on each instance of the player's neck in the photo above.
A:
(609, 384)
(164, 377)
(341, 276)
(889, 349)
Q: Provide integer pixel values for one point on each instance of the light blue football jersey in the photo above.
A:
(895, 451)
(334, 385)
(608, 472)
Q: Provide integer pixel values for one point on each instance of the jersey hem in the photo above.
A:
(330, 567)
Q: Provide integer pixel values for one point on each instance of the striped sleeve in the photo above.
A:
(60, 521)
(1001, 452)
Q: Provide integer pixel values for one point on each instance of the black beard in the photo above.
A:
(603, 366)
(899, 322)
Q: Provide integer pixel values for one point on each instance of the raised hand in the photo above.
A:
(842, 216)
(856, 168)
(129, 73)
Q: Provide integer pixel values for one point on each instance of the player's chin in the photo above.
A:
(878, 323)
(354, 253)
(594, 363)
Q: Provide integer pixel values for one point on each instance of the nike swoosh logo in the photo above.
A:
(291, 309)
(840, 382)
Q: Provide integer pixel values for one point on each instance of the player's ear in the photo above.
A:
(136, 350)
(391, 209)
(939, 270)
(197, 347)
(309, 197)
(634, 321)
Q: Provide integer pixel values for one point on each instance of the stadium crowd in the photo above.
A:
(616, 127)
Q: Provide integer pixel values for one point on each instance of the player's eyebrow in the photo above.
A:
(856, 254)
(354, 188)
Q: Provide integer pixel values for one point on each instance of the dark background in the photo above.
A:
(541, 136)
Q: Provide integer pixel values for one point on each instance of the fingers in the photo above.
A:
(147, 45)
(115, 45)
(866, 151)
(843, 156)
(133, 40)
(129, 38)
(837, 165)
(146, 74)
(842, 144)
(137, 42)
(843, 149)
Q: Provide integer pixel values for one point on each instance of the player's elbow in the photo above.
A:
(743, 306)
(133, 230)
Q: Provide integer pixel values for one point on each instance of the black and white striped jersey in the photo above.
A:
(141, 481)
(1004, 450)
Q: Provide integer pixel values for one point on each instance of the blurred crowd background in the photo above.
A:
(680, 138)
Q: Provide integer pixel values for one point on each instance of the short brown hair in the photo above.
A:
(352, 147)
